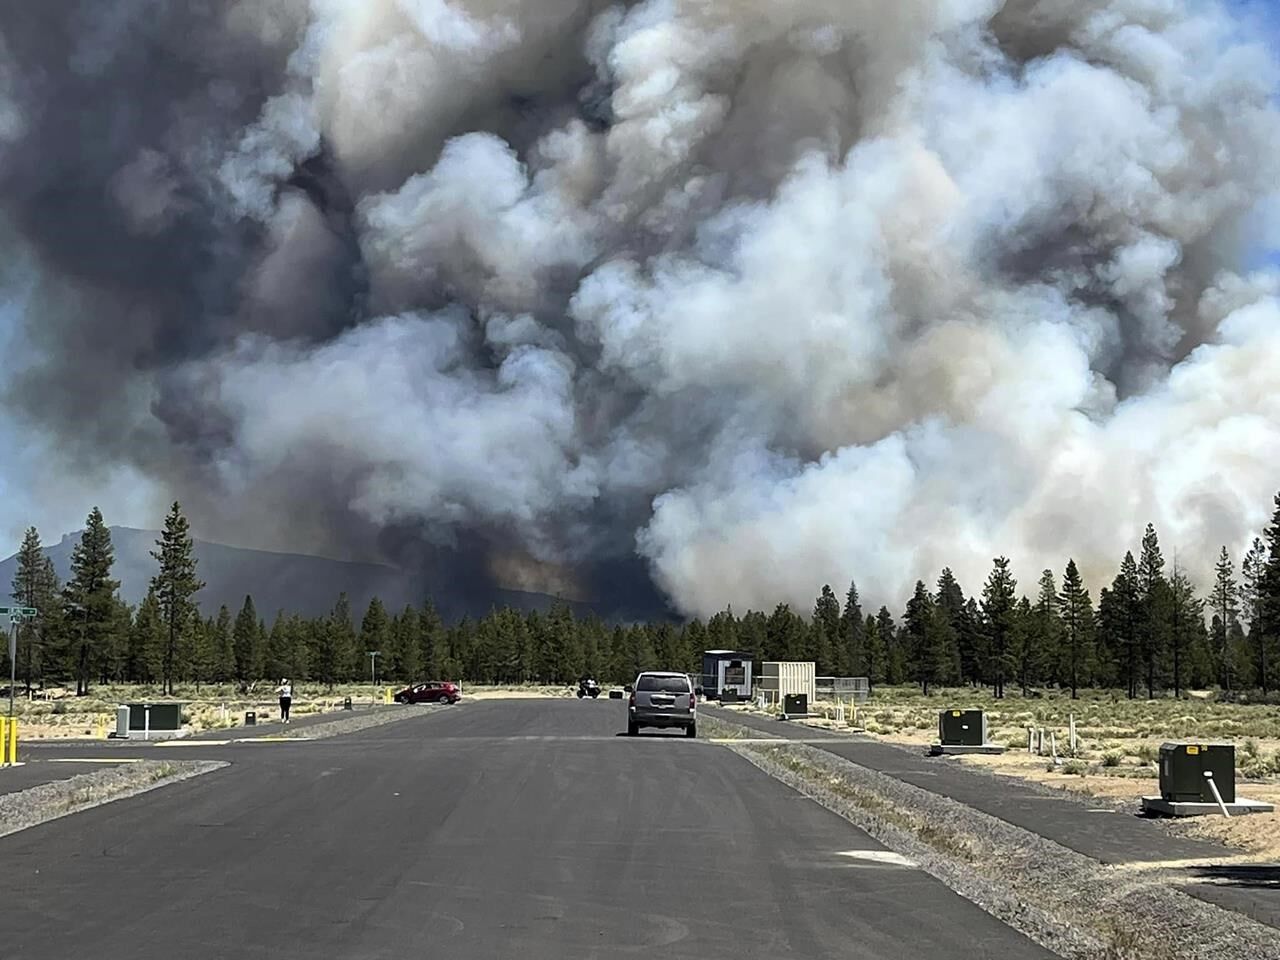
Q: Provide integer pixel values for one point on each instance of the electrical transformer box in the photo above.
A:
(962, 728)
(1186, 768)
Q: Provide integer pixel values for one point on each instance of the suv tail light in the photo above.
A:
(693, 700)
(632, 700)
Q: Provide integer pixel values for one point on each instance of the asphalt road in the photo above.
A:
(1105, 834)
(490, 830)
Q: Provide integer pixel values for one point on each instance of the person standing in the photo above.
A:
(286, 699)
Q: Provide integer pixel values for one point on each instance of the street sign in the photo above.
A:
(18, 613)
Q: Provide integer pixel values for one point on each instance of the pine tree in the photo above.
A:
(431, 641)
(875, 662)
(924, 629)
(1253, 570)
(785, 637)
(244, 642)
(693, 641)
(278, 660)
(1153, 599)
(895, 668)
(1075, 610)
(375, 634)
(959, 635)
(825, 632)
(222, 645)
(1121, 617)
(146, 642)
(1269, 587)
(406, 651)
(853, 657)
(722, 631)
(1225, 602)
(1023, 643)
(35, 584)
(1046, 631)
(998, 611)
(89, 597)
(1186, 623)
(342, 643)
(197, 646)
(175, 585)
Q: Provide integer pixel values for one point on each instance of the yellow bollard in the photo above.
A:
(13, 740)
(8, 740)
(386, 695)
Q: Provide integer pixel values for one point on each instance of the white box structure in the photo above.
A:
(783, 677)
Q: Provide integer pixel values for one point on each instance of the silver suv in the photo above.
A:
(663, 700)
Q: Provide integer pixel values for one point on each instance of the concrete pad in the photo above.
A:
(1172, 808)
(955, 750)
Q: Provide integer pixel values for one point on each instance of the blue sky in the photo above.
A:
(33, 490)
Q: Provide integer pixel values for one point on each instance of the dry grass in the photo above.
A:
(59, 714)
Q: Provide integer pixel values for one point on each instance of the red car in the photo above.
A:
(433, 691)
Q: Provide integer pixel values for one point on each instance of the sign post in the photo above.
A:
(16, 615)
(373, 672)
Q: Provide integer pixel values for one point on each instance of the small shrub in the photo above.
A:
(1250, 748)
(59, 708)
(1256, 768)
(1147, 753)
(1076, 768)
(1112, 758)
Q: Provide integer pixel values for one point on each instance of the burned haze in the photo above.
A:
(722, 297)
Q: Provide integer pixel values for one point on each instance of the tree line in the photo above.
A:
(1149, 630)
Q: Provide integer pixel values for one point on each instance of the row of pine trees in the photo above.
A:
(1149, 631)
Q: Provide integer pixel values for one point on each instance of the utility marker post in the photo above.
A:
(373, 674)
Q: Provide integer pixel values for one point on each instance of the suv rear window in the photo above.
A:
(663, 685)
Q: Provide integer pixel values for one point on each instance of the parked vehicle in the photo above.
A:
(433, 691)
(588, 688)
(663, 700)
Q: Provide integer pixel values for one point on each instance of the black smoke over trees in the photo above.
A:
(1149, 633)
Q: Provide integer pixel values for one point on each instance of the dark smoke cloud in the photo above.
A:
(727, 297)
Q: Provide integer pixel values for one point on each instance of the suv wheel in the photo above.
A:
(443, 698)
(691, 730)
(633, 730)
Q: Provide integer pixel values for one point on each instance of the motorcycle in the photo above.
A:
(588, 688)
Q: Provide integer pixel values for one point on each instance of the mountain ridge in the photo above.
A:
(292, 582)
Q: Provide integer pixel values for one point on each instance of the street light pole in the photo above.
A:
(373, 671)
(13, 663)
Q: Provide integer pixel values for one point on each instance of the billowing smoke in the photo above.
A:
(733, 297)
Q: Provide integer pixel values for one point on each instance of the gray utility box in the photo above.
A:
(122, 723)
(796, 705)
(1186, 768)
(962, 728)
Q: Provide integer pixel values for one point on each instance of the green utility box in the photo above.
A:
(1187, 766)
(796, 704)
(155, 717)
(962, 728)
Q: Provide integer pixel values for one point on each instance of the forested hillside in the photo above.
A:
(1147, 632)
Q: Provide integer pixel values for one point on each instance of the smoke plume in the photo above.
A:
(726, 297)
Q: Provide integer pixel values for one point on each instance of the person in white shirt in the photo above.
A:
(286, 699)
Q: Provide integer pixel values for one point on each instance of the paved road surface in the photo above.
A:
(495, 830)
(1103, 834)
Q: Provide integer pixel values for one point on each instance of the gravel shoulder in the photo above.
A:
(49, 801)
(358, 721)
(1064, 900)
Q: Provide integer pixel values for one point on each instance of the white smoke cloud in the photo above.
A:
(904, 354)
(776, 294)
